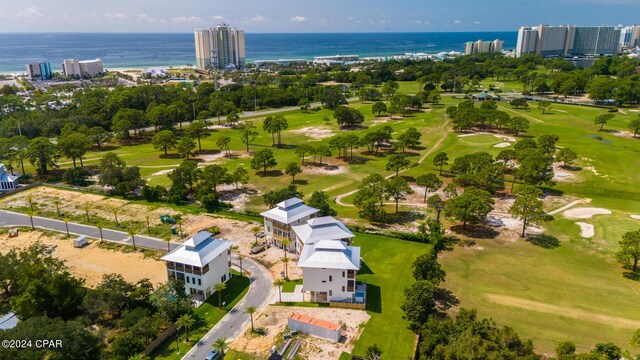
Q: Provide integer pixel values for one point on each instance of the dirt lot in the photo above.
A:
(73, 202)
(274, 320)
(91, 262)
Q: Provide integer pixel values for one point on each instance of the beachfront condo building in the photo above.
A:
(568, 40)
(39, 70)
(480, 46)
(630, 36)
(82, 68)
(221, 47)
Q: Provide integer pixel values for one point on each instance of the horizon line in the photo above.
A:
(274, 32)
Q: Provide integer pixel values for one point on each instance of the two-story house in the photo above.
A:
(329, 270)
(200, 263)
(278, 221)
(321, 228)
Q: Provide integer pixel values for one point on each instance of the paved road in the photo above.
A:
(236, 321)
(10, 218)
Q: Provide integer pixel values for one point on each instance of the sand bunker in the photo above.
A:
(315, 133)
(636, 217)
(586, 230)
(502, 145)
(501, 137)
(585, 213)
(559, 174)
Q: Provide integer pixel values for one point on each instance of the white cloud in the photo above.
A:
(115, 16)
(477, 22)
(256, 19)
(217, 17)
(187, 19)
(148, 19)
(457, 21)
(30, 12)
(298, 18)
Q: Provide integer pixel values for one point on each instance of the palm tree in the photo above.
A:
(56, 202)
(219, 287)
(115, 213)
(251, 310)
(279, 283)
(168, 245)
(148, 218)
(30, 198)
(285, 261)
(240, 258)
(66, 224)
(221, 344)
(186, 321)
(101, 238)
(86, 211)
(31, 215)
(132, 233)
(285, 243)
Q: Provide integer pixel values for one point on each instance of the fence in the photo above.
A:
(348, 305)
(160, 339)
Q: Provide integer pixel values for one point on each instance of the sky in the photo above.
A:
(308, 16)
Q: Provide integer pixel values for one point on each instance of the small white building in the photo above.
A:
(279, 220)
(321, 228)
(315, 327)
(329, 270)
(7, 182)
(200, 263)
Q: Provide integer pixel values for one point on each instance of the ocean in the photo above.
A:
(139, 50)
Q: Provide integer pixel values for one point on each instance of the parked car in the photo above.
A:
(213, 355)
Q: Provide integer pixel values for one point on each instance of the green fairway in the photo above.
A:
(387, 272)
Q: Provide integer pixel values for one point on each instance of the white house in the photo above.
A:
(278, 221)
(329, 270)
(7, 182)
(200, 263)
(321, 228)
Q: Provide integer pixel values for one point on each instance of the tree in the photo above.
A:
(566, 156)
(410, 138)
(536, 168)
(76, 176)
(223, 144)
(398, 189)
(247, 133)
(529, 209)
(519, 103)
(629, 252)
(544, 106)
(240, 176)
(279, 283)
(185, 147)
(426, 267)
(346, 116)
(602, 120)
(221, 345)
(285, 260)
(233, 118)
(378, 107)
(389, 88)
(273, 197)
(292, 170)
(565, 348)
(263, 159)
(164, 140)
(434, 96)
(42, 154)
(518, 124)
(302, 150)
(374, 352)
(319, 200)
(304, 105)
(398, 162)
(430, 182)
(440, 160)
(20, 146)
(219, 288)
(319, 152)
(472, 207)
(74, 146)
(198, 130)
(186, 322)
(634, 126)
(214, 175)
(250, 310)
(419, 303)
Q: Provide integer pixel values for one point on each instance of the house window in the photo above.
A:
(330, 292)
(180, 276)
(343, 274)
(324, 281)
(188, 282)
(343, 289)
(200, 284)
(330, 278)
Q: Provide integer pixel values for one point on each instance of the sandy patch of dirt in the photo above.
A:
(560, 174)
(238, 232)
(502, 145)
(72, 202)
(314, 132)
(624, 134)
(212, 158)
(274, 320)
(500, 217)
(595, 171)
(238, 198)
(91, 262)
(568, 312)
(272, 260)
(586, 230)
(160, 173)
(329, 169)
(585, 213)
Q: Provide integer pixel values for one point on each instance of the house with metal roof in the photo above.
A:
(321, 228)
(7, 182)
(329, 270)
(200, 263)
(279, 220)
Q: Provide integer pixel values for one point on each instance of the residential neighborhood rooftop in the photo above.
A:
(330, 254)
(289, 211)
(315, 321)
(198, 250)
(322, 228)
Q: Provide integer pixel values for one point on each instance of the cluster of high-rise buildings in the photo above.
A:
(568, 40)
(221, 47)
(40, 70)
(480, 46)
(75, 68)
(630, 36)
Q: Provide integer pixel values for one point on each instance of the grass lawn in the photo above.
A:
(210, 314)
(387, 272)
(237, 355)
(290, 285)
